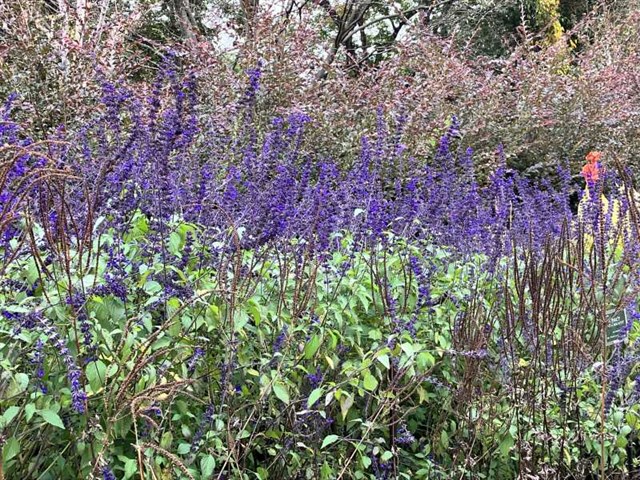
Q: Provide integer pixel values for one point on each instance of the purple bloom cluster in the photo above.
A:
(77, 302)
(381, 470)
(424, 282)
(115, 275)
(404, 436)
(164, 162)
(622, 364)
(37, 359)
(315, 379)
(38, 322)
(198, 353)
(203, 427)
(107, 473)
(473, 354)
(280, 340)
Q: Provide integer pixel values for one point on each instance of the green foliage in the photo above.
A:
(307, 369)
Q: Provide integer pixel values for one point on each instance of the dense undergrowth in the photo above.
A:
(189, 299)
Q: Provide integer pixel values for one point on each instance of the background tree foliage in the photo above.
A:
(574, 61)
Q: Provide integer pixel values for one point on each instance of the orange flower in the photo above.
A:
(591, 171)
(594, 157)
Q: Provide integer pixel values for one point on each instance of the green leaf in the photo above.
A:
(130, 468)
(370, 382)
(329, 439)
(281, 392)
(96, 374)
(122, 427)
(20, 383)
(375, 334)
(111, 370)
(617, 417)
(329, 398)
(632, 419)
(184, 448)
(152, 287)
(29, 410)
(384, 360)
(444, 439)
(11, 449)
(326, 472)
(426, 360)
(52, 418)
(314, 397)
(240, 319)
(505, 446)
(115, 310)
(254, 310)
(408, 348)
(345, 404)
(166, 439)
(207, 465)
(330, 362)
(175, 242)
(312, 346)
(8, 415)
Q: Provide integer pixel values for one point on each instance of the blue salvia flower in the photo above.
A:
(617, 373)
(479, 354)
(404, 436)
(153, 169)
(37, 321)
(74, 374)
(251, 92)
(187, 251)
(423, 281)
(280, 339)
(115, 275)
(315, 379)
(203, 428)
(107, 473)
(193, 361)
(381, 470)
(37, 359)
(77, 302)
(19, 321)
